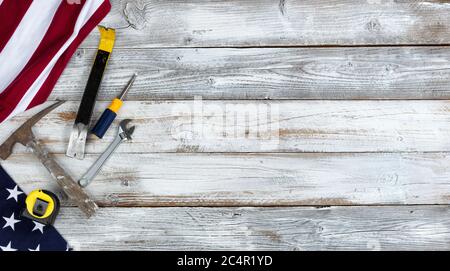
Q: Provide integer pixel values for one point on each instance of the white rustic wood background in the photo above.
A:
(362, 89)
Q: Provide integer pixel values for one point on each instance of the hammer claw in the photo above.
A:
(23, 134)
(33, 120)
(7, 147)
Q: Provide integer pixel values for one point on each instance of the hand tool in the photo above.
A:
(41, 206)
(78, 136)
(110, 114)
(123, 134)
(25, 136)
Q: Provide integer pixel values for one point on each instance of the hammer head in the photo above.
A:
(24, 135)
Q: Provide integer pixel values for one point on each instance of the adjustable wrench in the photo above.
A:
(123, 134)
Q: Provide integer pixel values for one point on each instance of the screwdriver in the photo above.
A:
(110, 113)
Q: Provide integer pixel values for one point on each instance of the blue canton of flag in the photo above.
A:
(18, 233)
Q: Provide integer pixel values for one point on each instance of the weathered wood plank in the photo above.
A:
(262, 126)
(267, 73)
(198, 23)
(336, 228)
(252, 179)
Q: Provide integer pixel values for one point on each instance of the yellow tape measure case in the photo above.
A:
(41, 206)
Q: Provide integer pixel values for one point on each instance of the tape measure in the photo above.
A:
(41, 206)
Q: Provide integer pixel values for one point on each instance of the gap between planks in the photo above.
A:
(319, 46)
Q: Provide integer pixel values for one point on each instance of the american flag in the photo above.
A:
(37, 40)
(18, 233)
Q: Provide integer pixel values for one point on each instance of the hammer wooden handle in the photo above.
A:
(69, 186)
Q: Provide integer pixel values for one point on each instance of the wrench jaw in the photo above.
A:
(124, 132)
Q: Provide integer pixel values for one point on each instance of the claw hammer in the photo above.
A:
(25, 136)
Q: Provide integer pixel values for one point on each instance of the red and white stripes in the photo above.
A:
(37, 40)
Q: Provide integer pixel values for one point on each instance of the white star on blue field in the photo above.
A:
(18, 233)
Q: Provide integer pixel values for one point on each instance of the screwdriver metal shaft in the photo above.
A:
(127, 88)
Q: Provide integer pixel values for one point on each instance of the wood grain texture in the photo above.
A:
(263, 141)
(261, 126)
(336, 228)
(267, 73)
(238, 23)
(148, 180)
